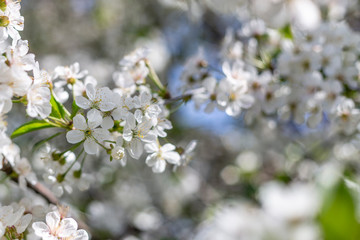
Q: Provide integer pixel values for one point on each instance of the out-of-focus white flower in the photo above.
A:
(347, 116)
(234, 97)
(23, 168)
(69, 74)
(290, 203)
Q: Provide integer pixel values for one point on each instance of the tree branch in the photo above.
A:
(38, 188)
(175, 99)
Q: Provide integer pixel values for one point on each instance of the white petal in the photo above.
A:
(75, 136)
(82, 102)
(172, 157)
(168, 147)
(130, 121)
(159, 166)
(94, 118)
(151, 147)
(68, 226)
(53, 220)
(107, 122)
(101, 134)
(127, 134)
(23, 223)
(136, 148)
(40, 228)
(151, 159)
(149, 138)
(138, 115)
(79, 122)
(117, 113)
(90, 91)
(90, 146)
(81, 235)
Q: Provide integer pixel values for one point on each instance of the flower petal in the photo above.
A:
(53, 220)
(101, 134)
(41, 229)
(82, 102)
(75, 136)
(159, 166)
(136, 148)
(94, 118)
(81, 235)
(68, 226)
(107, 122)
(172, 157)
(168, 147)
(80, 122)
(90, 91)
(90, 146)
(151, 147)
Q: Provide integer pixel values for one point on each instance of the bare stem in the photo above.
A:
(38, 188)
(178, 98)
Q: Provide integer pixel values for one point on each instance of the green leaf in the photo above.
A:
(58, 110)
(338, 216)
(31, 126)
(40, 143)
(286, 31)
(75, 109)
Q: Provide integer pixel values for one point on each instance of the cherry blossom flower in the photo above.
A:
(159, 155)
(136, 134)
(100, 99)
(57, 227)
(88, 131)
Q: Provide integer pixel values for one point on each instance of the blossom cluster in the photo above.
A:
(277, 76)
(302, 76)
(287, 212)
(13, 221)
(125, 121)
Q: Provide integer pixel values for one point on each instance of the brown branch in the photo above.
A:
(38, 188)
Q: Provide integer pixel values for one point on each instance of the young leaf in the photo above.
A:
(75, 109)
(31, 126)
(286, 32)
(58, 110)
(338, 216)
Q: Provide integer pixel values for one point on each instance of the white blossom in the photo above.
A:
(159, 155)
(88, 131)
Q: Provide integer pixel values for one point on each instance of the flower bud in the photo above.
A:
(77, 173)
(3, 5)
(60, 178)
(71, 81)
(4, 21)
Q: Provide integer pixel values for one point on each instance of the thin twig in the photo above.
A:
(40, 189)
(175, 99)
